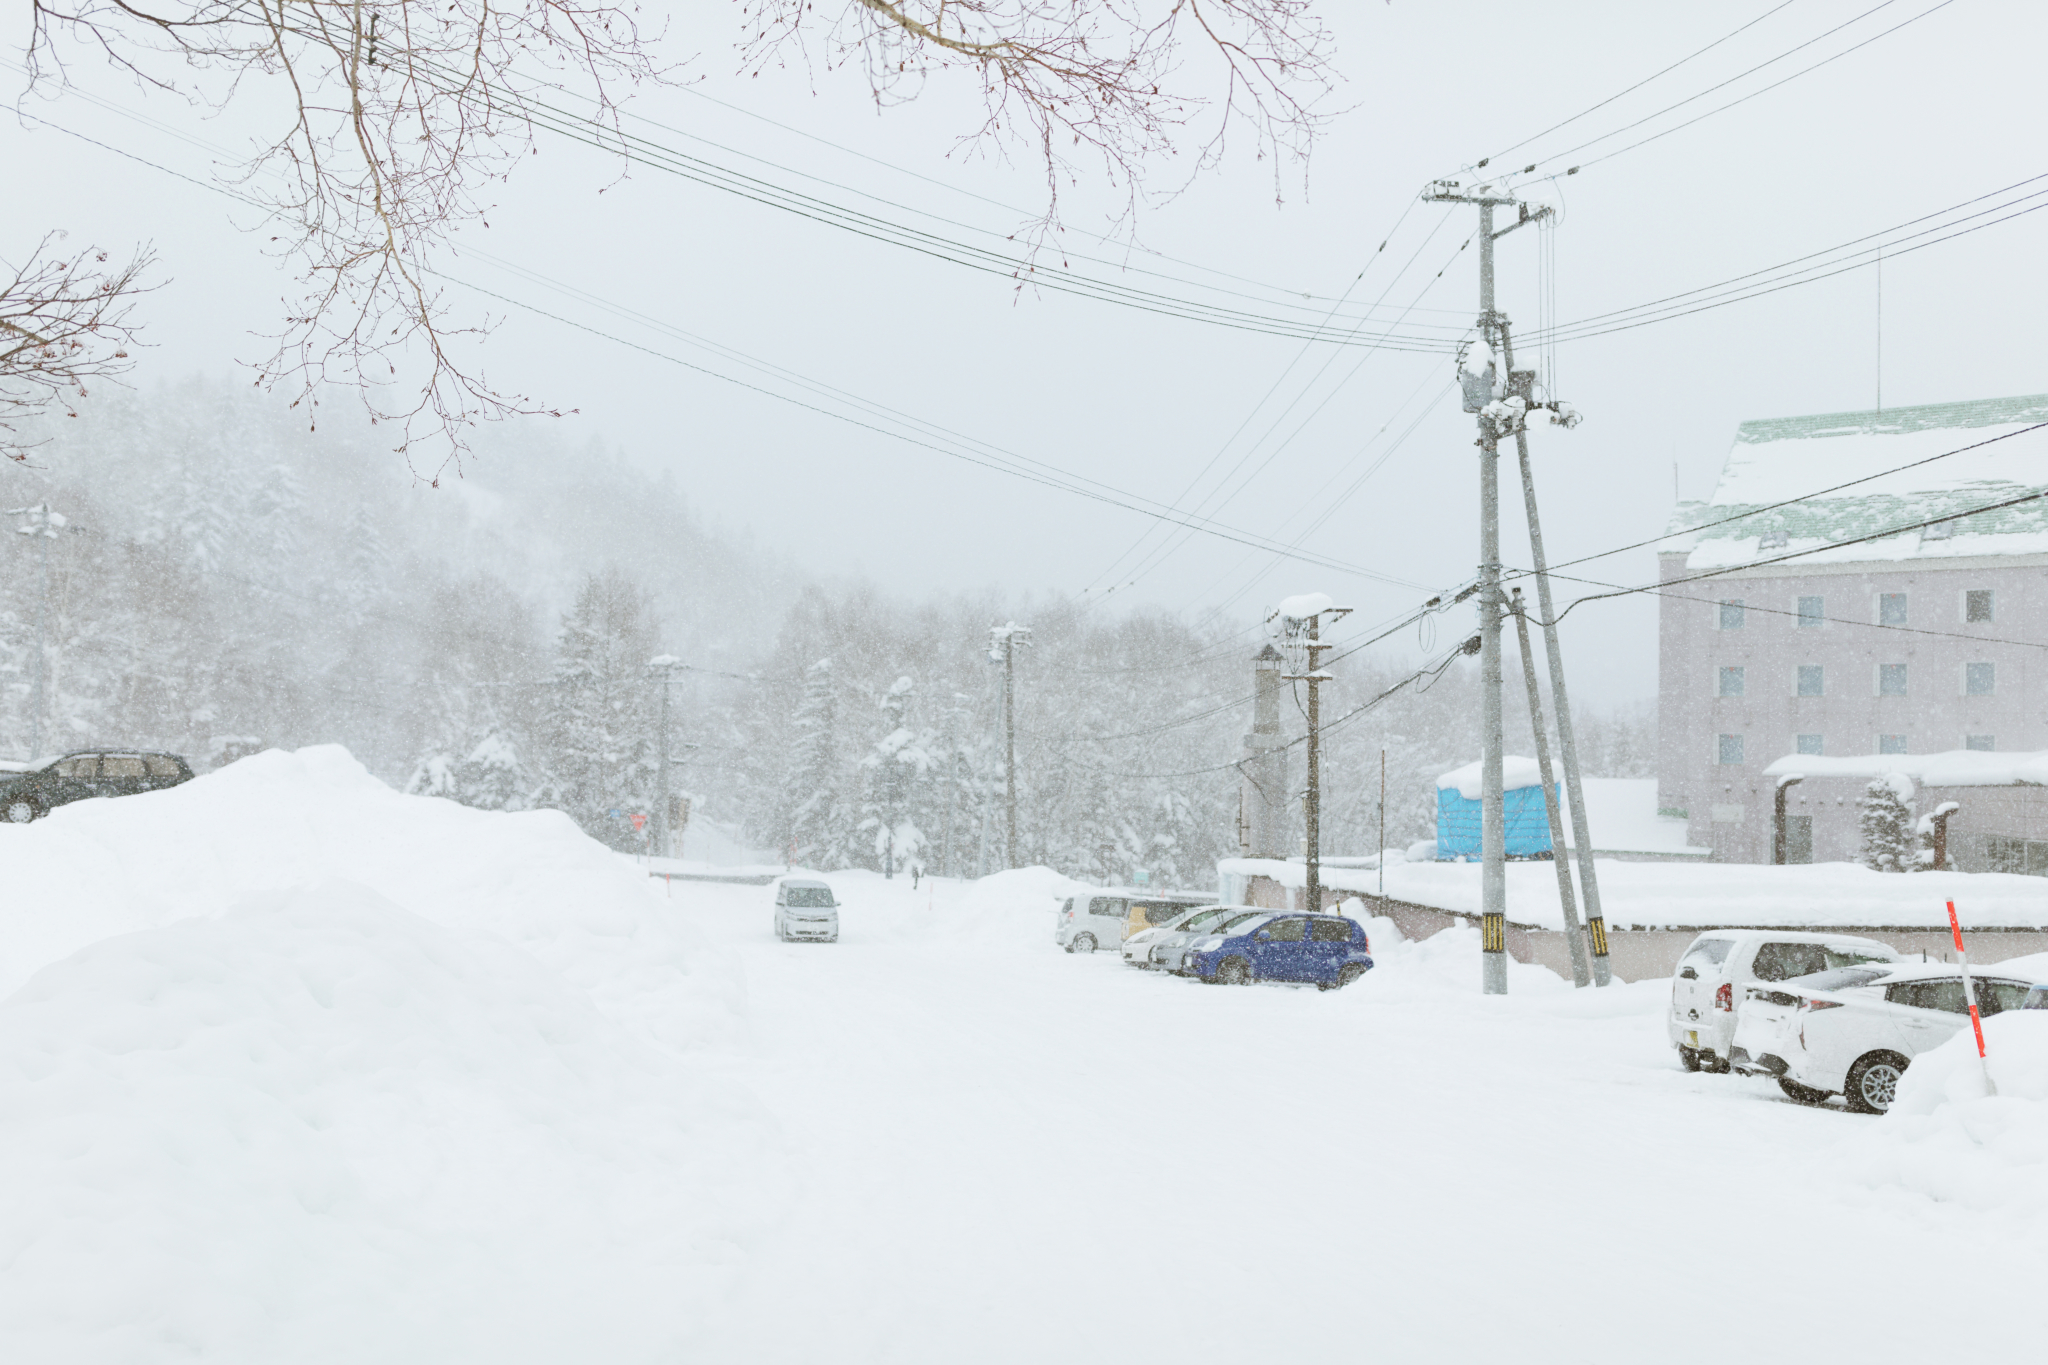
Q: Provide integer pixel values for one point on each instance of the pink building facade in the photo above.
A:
(1778, 639)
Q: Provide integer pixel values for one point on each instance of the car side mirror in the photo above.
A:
(1688, 973)
(1265, 936)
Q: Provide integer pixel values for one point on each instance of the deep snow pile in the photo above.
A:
(319, 1128)
(1950, 1140)
(307, 1070)
(279, 820)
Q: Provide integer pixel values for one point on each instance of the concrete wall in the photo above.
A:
(1728, 806)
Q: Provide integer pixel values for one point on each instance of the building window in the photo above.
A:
(1731, 750)
(1810, 678)
(1731, 682)
(1979, 743)
(1891, 609)
(1891, 744)
(1941, 530)
(1810, 612)
(1980, 680)
(1772, 540)
(2028, 857)
(1891, 680)
(1731, 614)
(1977, 604)
(1808, 744)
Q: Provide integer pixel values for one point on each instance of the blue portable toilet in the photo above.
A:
(1457, 812)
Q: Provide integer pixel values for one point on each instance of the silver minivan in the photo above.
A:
(806, 909)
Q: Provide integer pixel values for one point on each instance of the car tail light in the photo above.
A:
(1821, 1005)
(1724, 998)
(1366, 939)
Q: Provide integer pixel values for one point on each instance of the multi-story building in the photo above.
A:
(1808, 611)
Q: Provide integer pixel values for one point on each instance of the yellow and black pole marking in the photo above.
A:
(1596, 929)
(1493, 933)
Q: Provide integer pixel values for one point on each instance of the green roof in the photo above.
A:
(1978, 412)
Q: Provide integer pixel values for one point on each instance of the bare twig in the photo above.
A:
(63, 326)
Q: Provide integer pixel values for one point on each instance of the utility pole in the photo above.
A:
(1383, 831)
(1303, 626)
(44, 525)
(1262, 789)
(1006, 639)
(1567, 735)
(663, 666)
(952, 781)
(1567, 902)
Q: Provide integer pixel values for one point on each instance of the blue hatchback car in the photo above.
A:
(1329, 950)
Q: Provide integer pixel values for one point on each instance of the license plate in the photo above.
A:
(1692, 1038)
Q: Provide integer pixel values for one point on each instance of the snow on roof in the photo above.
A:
(1793, 457)
(1518, 772)
(1621, 815)
(1693, 895)
(1952, 768)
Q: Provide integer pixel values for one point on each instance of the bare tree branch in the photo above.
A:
(63, 326)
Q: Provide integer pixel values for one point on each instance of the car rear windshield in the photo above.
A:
(1708, 952)
(1837, 979)
(808, 897)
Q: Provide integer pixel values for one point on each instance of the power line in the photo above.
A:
(1057, 479)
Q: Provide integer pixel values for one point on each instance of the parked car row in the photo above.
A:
(1226, 944)
(1825, 1014)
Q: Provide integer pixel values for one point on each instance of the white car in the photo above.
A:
(1722, 963)
(1853, 1031)
(806, 909)
(1159, 947)
(1106, 917)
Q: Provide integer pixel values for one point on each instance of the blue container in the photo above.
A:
(1457, 825)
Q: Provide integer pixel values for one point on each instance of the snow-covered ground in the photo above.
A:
(473, 1089)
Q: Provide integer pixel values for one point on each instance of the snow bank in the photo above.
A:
(320, 1128)
(1946, 1139)
(1518, 772)
(279, 820)
(1621, 814)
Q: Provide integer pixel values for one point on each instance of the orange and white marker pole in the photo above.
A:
(1955, 928)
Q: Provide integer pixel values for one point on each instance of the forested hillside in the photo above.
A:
(227, 577)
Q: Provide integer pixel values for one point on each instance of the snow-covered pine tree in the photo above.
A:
(1885, 825)
(811, 787)
(597, 736)
(892, 774)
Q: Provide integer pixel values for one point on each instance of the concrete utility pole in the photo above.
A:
(1567, 734)
(1262, 790)
(663, 666)
(1004, 641)
(1581, 973)
(44, 525)
(1304, 638)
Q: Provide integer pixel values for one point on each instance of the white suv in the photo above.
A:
(1853, 1031)
(1721, 964)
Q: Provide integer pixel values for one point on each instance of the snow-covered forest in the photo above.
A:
(227, 578)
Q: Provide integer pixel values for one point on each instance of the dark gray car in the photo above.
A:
(84, 774)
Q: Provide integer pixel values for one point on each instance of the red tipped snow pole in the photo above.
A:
(1955, 928)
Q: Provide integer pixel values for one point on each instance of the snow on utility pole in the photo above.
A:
(44, 525)
(1581, 976)
(1301, 625)
(1004, 641)
(1521, 385)
(663, 667)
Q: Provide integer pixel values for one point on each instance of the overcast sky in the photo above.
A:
(1940, 112)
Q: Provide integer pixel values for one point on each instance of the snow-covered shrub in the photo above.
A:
(1885, 826)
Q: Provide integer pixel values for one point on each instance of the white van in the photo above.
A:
(806, 909)
(1721, 964)
(1103, 919)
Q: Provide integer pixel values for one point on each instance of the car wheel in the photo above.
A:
(1689, 1058)
(1082, 943)
(1351, 972)
(1874, 1082)
(1234, 971)
(21, 810)
(1805, 1094)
